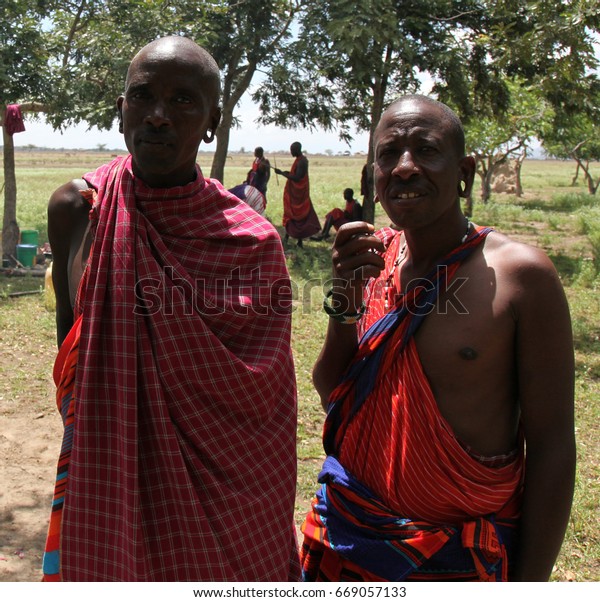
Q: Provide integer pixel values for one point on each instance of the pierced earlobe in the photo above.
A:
(375, 199)
(462, 192)
(120, 126)
(208, 138)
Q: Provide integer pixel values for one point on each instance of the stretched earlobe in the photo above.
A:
(462, 192)
(375, 199)
(208, 138)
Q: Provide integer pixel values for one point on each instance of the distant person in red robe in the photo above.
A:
(175, 378)
(337, 217)
(447, 379)
(299, 217)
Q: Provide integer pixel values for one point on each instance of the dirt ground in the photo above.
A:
(29, 444)
(30, 436)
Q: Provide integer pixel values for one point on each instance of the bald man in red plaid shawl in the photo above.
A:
(175, 376)
(462, 358)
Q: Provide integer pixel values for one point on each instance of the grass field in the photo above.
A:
(562, 219)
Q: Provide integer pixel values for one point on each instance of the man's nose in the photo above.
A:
(406, 166)
(158, 115)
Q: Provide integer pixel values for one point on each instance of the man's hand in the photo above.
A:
(356, 257)
(356, 252)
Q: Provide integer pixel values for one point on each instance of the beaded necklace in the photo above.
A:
(388, 289)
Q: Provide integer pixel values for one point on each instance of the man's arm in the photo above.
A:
(67, 215)
(301, 171)
(264, 168)
(545, 364)
(355, 258)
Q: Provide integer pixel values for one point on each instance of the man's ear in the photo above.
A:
(120, 100)
(467, 169)
(211, 130)
(215, 119)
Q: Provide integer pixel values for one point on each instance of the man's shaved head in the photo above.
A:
(186, 49)
(449, 116)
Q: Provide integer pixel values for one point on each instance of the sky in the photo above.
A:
(248, 136)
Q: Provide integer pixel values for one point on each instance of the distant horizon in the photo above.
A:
(538, 153)
(245, 151)
(248, 136)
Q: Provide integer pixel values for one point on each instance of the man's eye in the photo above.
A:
(183, 99)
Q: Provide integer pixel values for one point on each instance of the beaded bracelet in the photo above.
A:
(343, 318)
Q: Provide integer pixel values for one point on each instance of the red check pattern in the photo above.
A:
(183, 465)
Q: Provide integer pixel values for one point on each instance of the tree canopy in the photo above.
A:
(349, 60)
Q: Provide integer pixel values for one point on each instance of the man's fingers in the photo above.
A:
(351, 230)
(358, 267)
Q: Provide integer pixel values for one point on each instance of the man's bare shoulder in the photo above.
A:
(68, 198)
(524, 270)
(68, 213)
(503, 252)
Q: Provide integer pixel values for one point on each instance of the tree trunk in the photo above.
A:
(231, 97)
(576, 176)
(218, 165)
(376, 112)
(589, 179)
(518, 167)
(486, 179)
(486, 186)
(10, 228)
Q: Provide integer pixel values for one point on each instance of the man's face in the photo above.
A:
(166, 111)
(417, 167)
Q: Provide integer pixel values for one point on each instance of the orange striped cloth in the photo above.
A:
(64, 379)
(394, 462)
(65, 366)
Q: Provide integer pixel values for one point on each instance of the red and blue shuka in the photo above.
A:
(401, 498)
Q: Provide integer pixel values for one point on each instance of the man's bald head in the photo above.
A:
(449, 117)
(185, 49)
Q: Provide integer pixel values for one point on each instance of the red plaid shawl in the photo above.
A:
(183, 464)
(408, 478)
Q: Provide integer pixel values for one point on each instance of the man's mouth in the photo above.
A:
(154, 142)
(408, 195)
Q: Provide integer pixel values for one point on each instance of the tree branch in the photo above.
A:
(74, 29)
(34, 107)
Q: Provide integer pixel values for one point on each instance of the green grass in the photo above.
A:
(563, 220)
